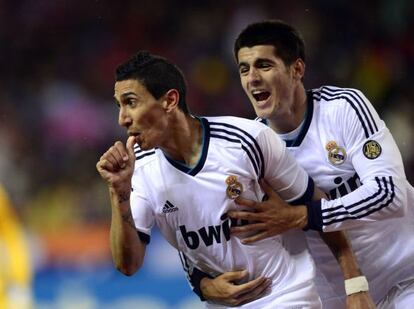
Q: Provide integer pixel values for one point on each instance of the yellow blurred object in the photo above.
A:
(15, 267)
(211, 75)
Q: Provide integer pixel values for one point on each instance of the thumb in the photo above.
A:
(245, 202)
(234, 275)
(130, 148)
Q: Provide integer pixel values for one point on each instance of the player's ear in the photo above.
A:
(171, 99)
(298, 69)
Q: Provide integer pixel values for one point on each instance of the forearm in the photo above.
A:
(127, 249)
(341, 248)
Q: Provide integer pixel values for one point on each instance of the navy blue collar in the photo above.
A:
(204, 149)
(308, 118)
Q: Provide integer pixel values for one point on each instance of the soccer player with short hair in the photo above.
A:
(183, 173)
(338, 137)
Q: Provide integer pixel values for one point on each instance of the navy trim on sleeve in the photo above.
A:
(314, 216)
(144, 237)
(307, 196)
(195, 278)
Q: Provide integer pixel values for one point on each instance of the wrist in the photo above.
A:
(203, 283)
(356, 285)
(301, 216)
(120, 194)
(200, 282)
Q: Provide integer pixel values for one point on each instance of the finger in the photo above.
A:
(106, 175)
(253, 227)
(256, 292)
(246, 202)
(249, 286)
(130, 149)
(105, 164)
(103, 171)
(234, 275)
(247, 215)
(120, 153)
(109, 156)
(115, 158)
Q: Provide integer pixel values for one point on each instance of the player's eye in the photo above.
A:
(264, 65)
(130, 102)
(243, 70)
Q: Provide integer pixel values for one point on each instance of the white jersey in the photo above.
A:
(348, 151)
(189, 206)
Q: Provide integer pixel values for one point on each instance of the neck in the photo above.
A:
(185, 139)
(289, 119)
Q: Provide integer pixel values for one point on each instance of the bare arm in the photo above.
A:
(127, 249)
(275, 216)
(116, 167)
(340, 247)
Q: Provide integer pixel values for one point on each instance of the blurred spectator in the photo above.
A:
(57, 60)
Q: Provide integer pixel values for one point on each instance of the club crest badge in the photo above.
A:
(336, 154)
(234, 188)
(371, 149)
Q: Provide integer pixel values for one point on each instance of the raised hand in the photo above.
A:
(224, 288)
(116, 165)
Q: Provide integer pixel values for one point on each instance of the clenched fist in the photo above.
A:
(116, 165)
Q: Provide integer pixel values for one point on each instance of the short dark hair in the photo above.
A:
(156, 74)
(287, 41)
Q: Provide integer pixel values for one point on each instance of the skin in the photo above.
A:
(157, 123)
(277, 94)
(261, 70)
(151, 123)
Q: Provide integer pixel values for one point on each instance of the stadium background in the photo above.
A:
(57, 114)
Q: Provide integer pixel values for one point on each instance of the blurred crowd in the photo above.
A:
(57, 115)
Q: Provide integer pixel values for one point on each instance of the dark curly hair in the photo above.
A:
(288, 43)
(156, 74)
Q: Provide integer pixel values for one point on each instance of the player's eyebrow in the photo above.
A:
(126, 94)
(242, 64)
(262, 60)
(257, 61)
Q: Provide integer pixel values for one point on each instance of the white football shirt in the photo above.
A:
(189, 206)
(349, 152)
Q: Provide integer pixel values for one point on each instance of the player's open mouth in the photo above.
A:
(260, 96)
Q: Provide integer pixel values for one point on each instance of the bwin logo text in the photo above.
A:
(211, 233)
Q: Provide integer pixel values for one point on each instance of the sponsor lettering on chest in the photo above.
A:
(208, 235)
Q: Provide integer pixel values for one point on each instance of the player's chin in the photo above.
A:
(145, 145)
(262, 113)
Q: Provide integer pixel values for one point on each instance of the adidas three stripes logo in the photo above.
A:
(168, 207)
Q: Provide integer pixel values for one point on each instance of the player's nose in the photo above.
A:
(124, 119)
(253, 76)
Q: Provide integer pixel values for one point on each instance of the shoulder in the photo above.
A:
(347, 106)
(332, 95)
(336, 103)
(144, 157)
(237, 125)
